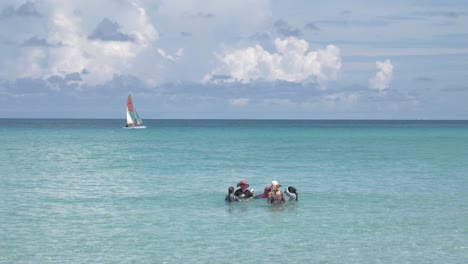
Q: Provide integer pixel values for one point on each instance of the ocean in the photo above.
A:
(88, 191)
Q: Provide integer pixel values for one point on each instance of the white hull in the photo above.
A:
(134, 127)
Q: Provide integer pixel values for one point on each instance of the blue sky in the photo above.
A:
(253, 59)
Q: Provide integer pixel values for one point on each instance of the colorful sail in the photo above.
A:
(133, 118)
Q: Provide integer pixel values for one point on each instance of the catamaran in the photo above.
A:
(133, 119)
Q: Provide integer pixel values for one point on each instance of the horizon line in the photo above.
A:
(238, 119)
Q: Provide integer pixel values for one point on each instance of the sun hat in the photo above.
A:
(243, 182)
(275, 183)
(267, 189)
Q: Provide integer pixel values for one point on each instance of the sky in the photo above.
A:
(234, 59)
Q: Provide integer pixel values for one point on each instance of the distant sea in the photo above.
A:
(88, 191)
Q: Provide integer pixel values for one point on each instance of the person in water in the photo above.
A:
(243, 192)
(291, 192)
(276, 195)
(230, 197)
(264, 194)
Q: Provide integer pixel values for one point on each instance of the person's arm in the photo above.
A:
(292, 196)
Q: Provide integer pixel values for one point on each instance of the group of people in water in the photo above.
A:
(272, 193)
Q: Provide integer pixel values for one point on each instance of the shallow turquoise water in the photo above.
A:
(87, 191)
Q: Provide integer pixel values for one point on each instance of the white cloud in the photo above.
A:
(239, 101)
(72, 50)
(290, 63)
(180, 52)
(167, 56)
(382, 79)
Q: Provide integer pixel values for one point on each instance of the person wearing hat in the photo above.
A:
(264, 194)
(243, 192)
(276, 195)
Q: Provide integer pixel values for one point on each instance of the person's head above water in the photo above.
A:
(243, 184)
(275, 185)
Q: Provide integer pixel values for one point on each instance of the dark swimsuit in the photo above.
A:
(239, 192)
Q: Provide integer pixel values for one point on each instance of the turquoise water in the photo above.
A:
(87, 191)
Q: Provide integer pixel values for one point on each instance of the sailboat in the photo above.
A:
(133, 119)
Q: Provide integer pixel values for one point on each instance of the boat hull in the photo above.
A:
(134, 127)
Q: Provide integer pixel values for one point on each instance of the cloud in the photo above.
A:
(108, 30)
(341, 99)
(284, 29)
(219, 78)
(23, 86)
(311, 26)
(56, 83)
(239, 101)
(75, 76)
(290, 63)
(24, 10)
(35, 41)
(382, 79)
(70, 42)
(167, 56)
(205, 15)
(223, 100)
